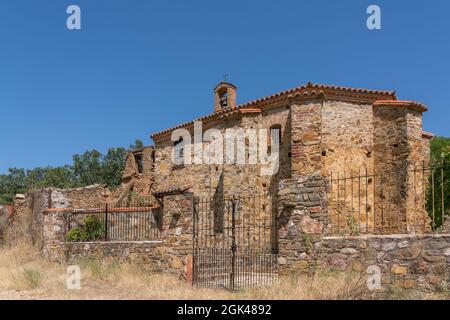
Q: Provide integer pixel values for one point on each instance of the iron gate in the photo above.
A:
(234, 242)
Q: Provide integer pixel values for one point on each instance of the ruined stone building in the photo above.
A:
(349, 193)
(327, 132)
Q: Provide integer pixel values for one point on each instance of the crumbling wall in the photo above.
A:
(169, 254)
(27, 223)
(21, 224)
(138, 177)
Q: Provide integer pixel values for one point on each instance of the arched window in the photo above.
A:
(224, 99)
(179, 151)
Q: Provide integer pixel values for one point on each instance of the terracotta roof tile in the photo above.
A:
(402, 103)
(309, 89)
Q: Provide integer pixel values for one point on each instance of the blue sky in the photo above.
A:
(140, 66)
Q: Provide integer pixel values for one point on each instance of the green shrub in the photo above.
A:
(92, 229)
(75, 235)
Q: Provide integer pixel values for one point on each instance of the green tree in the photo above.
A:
(138, 144)
(438, 194)
(12, 183)
(113, 164)
(91, 167)
(88, 168)
(58, 177)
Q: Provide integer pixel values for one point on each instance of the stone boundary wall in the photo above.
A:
(168, 254)
(158, 256)
(406, 261)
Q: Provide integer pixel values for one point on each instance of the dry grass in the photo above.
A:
(26, 275)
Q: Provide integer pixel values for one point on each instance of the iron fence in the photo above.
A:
(136, 221)
(415, 199)
(234, 242)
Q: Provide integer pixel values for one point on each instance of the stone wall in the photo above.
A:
(28, 220)
(138, 176)
(157, 256)
(207, 180)
(398, 157)
(85, 197)
(347, 138)
(169, 253)
(405, 261)
(302, 220)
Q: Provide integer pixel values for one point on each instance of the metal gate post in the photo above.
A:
(106, 222)
(233, 243)
(194, 244)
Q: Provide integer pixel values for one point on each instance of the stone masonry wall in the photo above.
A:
(347, 151)
(347, 138)
(421, 262)
(137, 182)
(155, 255)
(398, 152)
(170, 253)
(207, 180)
(301, 221)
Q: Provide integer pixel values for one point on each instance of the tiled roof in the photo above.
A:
(170, 191)
(402, 103)
(308, 90)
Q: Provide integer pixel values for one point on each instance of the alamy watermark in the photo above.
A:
(73, 21)
(374, 279)
(374, 20)
(236, 146)
(73, 280)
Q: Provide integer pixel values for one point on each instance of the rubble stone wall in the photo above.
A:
(28, 219)
(407, 261)
(168, 254)
(207, 180)
(159, 256)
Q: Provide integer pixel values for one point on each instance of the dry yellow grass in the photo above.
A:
(26, 275)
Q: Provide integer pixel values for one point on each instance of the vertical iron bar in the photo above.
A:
(351, 180)
(330, 212)
(359, 198)
(382, 202)
(432, 198)
(367, 201)
(106, 222)
(338, 203)
(442, 194)
(233, 245)
(415, 199)
(194, 251)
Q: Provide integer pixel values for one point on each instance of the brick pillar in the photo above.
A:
(398, 159)
(306, 124)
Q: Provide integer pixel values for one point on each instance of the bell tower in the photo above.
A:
(224, 96)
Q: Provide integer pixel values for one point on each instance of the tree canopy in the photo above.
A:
(91, 167)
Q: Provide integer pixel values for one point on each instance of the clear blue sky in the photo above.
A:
(140, 66)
